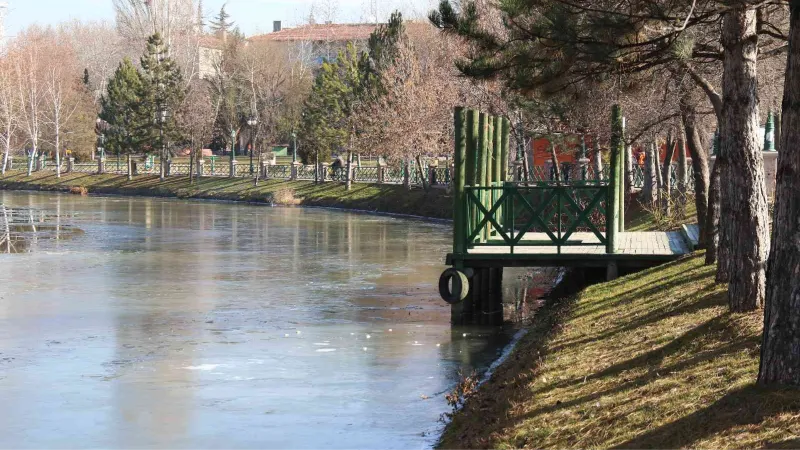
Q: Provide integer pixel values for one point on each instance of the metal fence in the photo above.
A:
(282, 172)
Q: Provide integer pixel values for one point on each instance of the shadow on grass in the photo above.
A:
(750, 405)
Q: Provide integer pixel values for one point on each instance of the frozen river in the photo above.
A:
(135, 322)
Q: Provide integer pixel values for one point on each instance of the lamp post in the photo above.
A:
(252, 122)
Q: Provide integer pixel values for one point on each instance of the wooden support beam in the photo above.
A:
(470, 176)
(483, 142)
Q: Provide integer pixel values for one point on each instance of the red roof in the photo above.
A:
(322, 32)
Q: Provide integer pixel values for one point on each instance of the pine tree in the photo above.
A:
(337, 90)
(120, 109)
(162, 92)
(222, 24)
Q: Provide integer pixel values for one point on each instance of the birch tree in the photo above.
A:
(28, 67)
(8, 109)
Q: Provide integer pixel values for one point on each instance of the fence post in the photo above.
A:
(101, 164)
(70, 163)
(381, 171)
(232, 168)
(323, 168)
(200, 166)
(167, 167)
(294, 170)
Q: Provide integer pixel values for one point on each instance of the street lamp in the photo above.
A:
(252, 122)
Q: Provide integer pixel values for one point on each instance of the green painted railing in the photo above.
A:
(505, 215)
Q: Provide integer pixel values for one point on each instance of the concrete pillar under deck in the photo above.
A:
(612, 271)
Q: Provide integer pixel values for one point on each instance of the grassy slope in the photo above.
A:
(381, 198)
(651, 360)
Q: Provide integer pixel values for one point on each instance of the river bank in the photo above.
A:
(392, 199)
(651, 360)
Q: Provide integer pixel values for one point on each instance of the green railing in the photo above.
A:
(515, 215)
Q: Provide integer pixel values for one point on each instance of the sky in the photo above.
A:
(252, 16)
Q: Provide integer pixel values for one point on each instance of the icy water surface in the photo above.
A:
(134, 322)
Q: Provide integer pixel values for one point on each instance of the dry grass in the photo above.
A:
(651, 360)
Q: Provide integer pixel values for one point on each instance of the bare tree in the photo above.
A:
(8, 109)
(98, 49)
(196, 119)
(29, 66)
(61, 92)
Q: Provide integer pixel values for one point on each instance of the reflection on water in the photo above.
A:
(22, 228)
(161, 323)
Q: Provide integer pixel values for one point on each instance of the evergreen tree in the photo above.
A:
(383, 43)
(162, 92)
(338, 88)
(86, 77)
(120, 108)
(222, 23)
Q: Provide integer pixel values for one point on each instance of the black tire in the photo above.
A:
(460, 286)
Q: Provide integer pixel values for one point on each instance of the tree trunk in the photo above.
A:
(32, 159)
(425, 185)
(743, 188)
(712, 218)
(629, 169)
(700, 165)
(659, 179)
(554, 158)
(349, 174)
(5, 159)
(598, 158)
(192, 160)
(58, 151)
(666, 175)
(681, 166)
(650, 189)
(780, 348)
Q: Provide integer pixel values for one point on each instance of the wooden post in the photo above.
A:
(505, 129)
(457, 309)
(483, 140)
(487, 180)
(612, 212)
(473, 139)
(621, 178)
(458, 180)
(504, 149)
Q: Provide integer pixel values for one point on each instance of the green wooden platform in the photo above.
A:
(639, 249)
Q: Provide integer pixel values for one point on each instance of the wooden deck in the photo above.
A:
(635, 249)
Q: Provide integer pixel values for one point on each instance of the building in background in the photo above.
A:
(319, 42)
